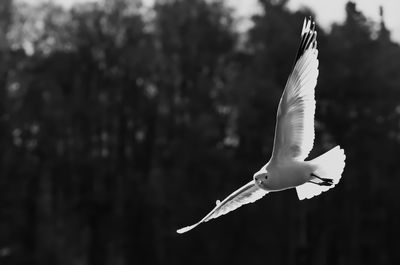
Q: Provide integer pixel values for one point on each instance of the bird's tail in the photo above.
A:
(329, 165)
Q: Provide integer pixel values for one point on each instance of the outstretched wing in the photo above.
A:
(294, 132)
(247, 194)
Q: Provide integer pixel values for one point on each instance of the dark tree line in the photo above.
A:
(119, 125)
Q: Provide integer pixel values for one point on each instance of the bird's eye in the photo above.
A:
(266, 177)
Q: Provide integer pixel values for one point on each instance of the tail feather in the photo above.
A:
(328, 165)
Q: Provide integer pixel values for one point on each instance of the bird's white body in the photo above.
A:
(294, 139)
(284, 175)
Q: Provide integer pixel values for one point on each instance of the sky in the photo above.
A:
(327, 11)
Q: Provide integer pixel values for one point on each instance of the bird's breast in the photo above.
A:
(289, 175)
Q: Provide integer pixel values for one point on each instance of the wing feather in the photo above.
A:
(294, 132)
(249, 193)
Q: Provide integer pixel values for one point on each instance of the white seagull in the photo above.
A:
(294, 139)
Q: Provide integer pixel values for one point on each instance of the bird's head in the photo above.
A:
(261, 178)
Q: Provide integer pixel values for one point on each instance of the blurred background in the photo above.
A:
(122, 121)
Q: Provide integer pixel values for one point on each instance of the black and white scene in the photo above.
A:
(199, 132)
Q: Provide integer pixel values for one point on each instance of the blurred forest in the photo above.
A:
(120, 124)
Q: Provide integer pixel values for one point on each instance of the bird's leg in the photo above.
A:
(321, 183)
(330, 181)
(313, 182)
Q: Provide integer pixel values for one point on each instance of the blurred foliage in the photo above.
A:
(120, 124)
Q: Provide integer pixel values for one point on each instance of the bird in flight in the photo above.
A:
(294, 139)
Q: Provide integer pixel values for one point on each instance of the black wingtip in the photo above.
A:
(308, 37)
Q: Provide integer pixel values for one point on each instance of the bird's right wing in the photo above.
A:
(294, 132)
(247, 194)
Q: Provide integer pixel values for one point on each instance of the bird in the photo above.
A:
(293, 141)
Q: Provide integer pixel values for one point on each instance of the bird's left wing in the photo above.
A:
(247, 194)
(294, 132)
